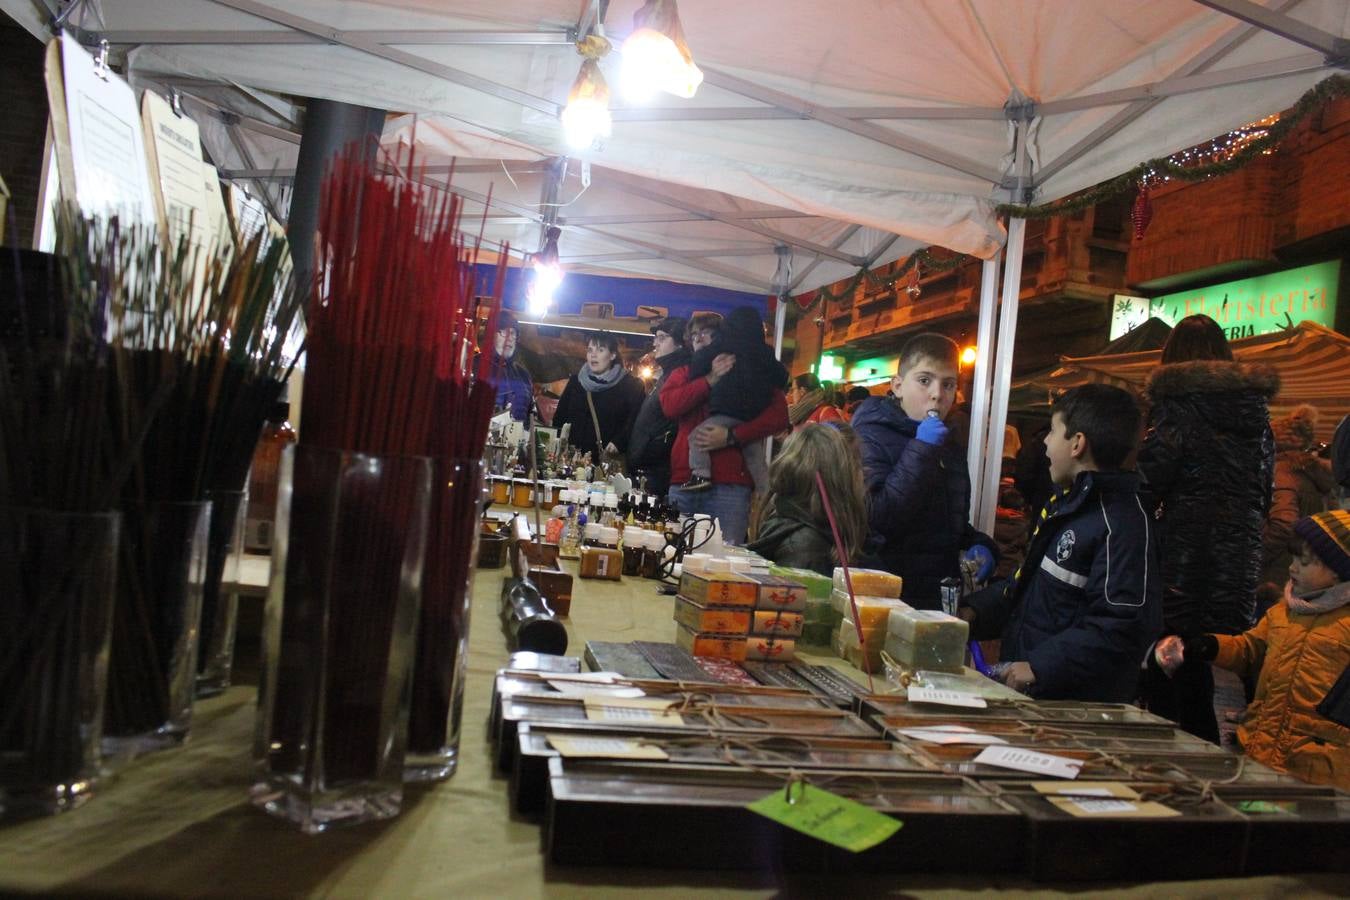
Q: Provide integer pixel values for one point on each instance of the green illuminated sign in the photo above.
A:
(868, 372)
(829, 369)
(1242, 308)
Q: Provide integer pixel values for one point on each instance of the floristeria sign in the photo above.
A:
(1243, 308)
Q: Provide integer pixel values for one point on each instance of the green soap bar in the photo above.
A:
(919, 626)
(939, 657)
(816, 635)
(817, 586)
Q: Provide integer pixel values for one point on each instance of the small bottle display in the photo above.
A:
(277, 435)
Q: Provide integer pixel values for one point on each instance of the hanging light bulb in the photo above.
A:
(656, 56)
(586, 116)
(547, 273)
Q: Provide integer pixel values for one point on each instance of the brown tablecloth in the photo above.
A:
(179, 823)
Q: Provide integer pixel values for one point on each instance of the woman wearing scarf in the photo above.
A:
(601, 396)
(807, 403)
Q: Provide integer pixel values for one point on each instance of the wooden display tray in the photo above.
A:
(1307, 828)
(529, 774)
(1118, 718)
(691, 817)
(1207, 840)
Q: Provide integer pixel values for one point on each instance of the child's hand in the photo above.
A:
(932, 430)
(1169, 653)
(721, 365)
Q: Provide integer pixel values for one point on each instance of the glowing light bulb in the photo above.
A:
(584, 120)
(547, 278)
(968, 356)
(652, 62)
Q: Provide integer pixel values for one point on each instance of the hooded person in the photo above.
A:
(654, 432)
(515, 387)
(1303, 486)
(744, 393)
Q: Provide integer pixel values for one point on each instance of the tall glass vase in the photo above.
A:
(443, 630)
(57, 571)
(220, 602)
(338, 636)
(152, 669)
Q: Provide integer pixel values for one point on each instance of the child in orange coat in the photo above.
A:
(1300, 647)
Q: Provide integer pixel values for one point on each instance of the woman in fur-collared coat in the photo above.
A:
(1208, 460)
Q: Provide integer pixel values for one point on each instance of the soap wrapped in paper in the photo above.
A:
(873, 612)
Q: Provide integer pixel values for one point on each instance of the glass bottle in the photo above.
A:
(259, 521)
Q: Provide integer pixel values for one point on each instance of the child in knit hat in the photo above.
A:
(1300, 647)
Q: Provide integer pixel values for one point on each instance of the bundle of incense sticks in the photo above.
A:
(392, 343)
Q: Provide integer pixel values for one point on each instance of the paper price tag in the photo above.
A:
(605, 748)
(924, 694)
(1087, 808)
(620, 709)
(1030, 761)
(584, 688)
(936, 736)
(827, 817)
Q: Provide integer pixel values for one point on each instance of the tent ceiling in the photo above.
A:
(830, 128)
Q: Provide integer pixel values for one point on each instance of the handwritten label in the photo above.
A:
(827, 817)
(605, 748)
(1030, 761)
(924, 694)
(1085, 808)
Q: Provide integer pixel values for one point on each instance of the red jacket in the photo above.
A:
(686, 402)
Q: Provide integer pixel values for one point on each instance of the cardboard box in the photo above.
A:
(777, 624)
(698, 617)
(722, 646)
(770, 649)
(719, 589)
(776, 592)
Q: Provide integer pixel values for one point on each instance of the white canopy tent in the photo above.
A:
(827, 128)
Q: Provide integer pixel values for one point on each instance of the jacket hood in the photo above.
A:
(786, 519)
(886, 412)
(1213, 376)
(1316, 469)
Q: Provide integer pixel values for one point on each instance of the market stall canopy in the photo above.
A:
(1313, 363)
(830, 129)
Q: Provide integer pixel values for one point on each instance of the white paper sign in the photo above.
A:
(924, 694)
(1103, 807)
(1030, 761)
(619, 709)
(936, 736)
(605, 748)
(584, 688)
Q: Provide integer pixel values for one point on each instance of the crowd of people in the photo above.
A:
(1165, 533)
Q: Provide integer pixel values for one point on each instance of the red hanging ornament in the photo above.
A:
(1142, 211)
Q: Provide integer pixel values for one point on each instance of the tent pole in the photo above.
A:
(980, 384)
(1007, 333)
(329, 127)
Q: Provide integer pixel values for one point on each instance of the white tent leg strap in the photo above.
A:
(979, 403)
(1007, 333)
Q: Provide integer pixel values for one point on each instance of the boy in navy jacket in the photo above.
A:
(1078, 617)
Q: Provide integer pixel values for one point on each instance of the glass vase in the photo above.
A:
(443, 628)
(338, 636)
(220, 601)
(152, 668)
(58, 571)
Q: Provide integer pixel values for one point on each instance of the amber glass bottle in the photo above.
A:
(262, 482)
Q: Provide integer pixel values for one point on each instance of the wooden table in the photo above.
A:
(179, 823)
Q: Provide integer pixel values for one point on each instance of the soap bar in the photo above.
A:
(871, 582)
(872, 611)
(715, 619)
(723, 646)
(772, 649)
(779, 593)
(927, 639)
(816, 634)
(601, 562)
(867, 661)
(821, 612)
(817, 586)
(939, 656)
(848, 635)
(780, 624)
(719, 589)
(920, 625)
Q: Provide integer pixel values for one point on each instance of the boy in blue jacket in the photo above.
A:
(1078, 617)
(918, 485)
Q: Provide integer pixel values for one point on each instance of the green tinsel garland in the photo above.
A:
(1332, 88)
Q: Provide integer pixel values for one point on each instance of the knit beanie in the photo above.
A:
(1328, 535)
(1296, 430)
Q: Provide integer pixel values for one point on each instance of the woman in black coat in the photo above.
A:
(615, 394)
(1208, 460)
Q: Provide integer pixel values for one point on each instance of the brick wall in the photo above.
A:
(23, 126)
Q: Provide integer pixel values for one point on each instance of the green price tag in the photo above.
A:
(827, 817)
(1264, 807)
